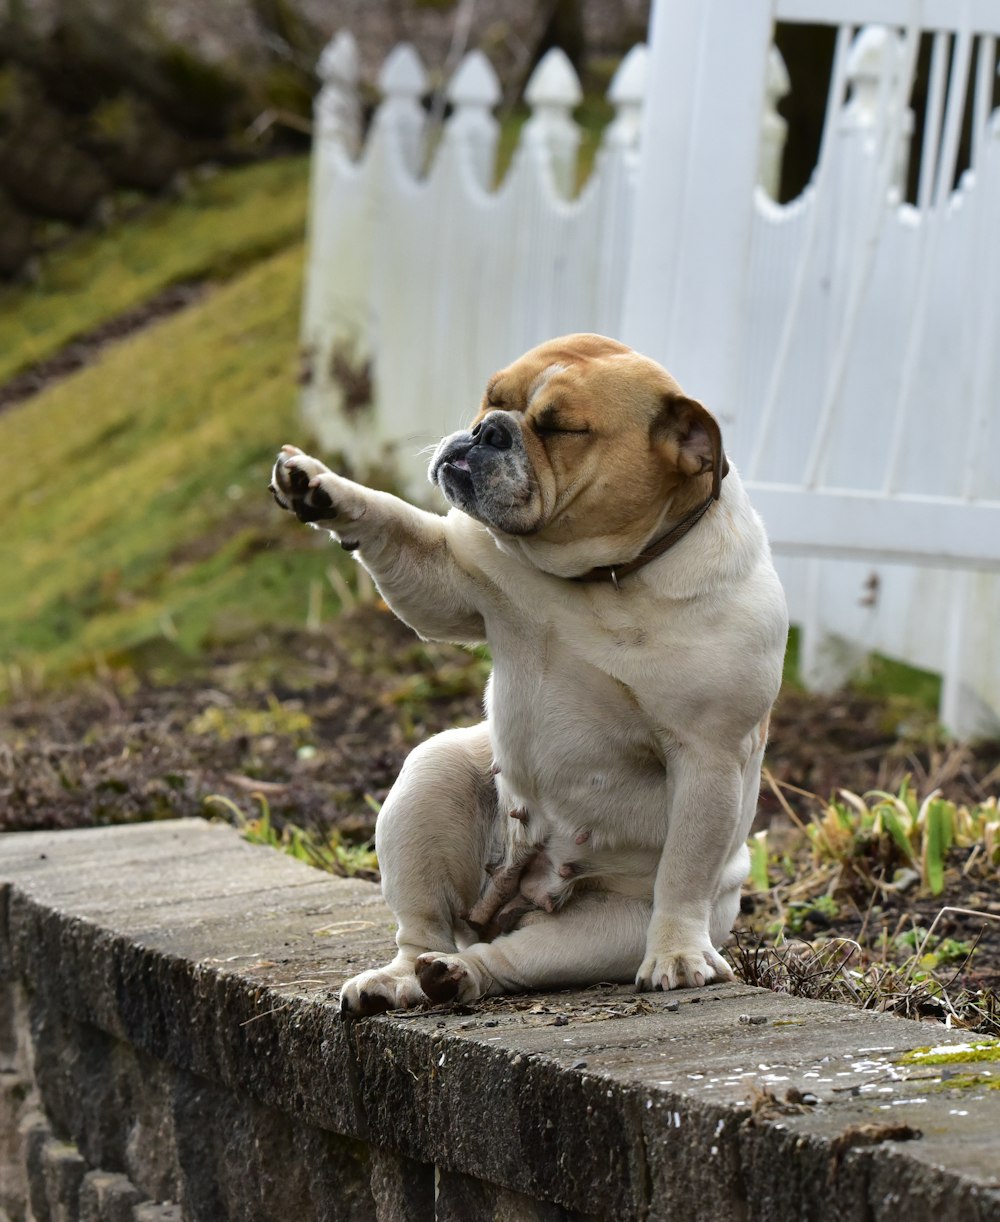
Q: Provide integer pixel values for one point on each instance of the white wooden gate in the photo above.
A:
(850, 342)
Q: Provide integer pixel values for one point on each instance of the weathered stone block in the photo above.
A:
(162, 1212)
(34, 1133)
(64, 1169)
(461, 1198)
(403, 1189)
(108, 1197)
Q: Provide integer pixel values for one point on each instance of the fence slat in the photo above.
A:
(552, 93)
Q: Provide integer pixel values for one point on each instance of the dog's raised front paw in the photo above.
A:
(682, 969)
(304, 486)
(386, 988)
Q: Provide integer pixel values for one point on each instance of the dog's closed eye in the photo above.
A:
(549, 422)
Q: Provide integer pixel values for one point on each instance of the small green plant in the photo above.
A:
(228, 723)
(897, 829)
(759, 877)
(933, 952)
(324, 850)
(805, 913)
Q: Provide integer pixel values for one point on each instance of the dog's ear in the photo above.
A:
(689, 437)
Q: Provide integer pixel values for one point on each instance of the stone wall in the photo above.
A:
(170, 1048)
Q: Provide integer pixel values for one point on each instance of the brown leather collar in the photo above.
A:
(615, 572)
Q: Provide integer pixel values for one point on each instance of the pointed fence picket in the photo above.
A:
(848, 340)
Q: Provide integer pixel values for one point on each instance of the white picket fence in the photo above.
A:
(437, 276)
(849, 342)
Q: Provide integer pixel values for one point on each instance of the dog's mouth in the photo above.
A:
(457, 469)
(454, 477)
(485, 472)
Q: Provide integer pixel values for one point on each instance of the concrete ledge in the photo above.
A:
(184, 1034)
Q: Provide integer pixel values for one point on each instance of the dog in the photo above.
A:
(593, 827)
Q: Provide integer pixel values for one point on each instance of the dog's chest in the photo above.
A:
(574, 747)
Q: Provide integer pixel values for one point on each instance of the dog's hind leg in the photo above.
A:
(597, 936)
(433, 835)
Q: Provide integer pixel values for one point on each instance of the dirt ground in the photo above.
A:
(320, 723)
(318, 720)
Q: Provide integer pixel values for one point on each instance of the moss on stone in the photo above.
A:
(983, 1049)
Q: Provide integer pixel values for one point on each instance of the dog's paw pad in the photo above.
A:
(298, 481)
(319, 498)
(440, 979)
(372, 1003)
(297, 484)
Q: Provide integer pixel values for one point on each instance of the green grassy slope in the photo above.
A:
(221, 224)
(135, 491)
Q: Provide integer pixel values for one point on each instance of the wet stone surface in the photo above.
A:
(216, 965)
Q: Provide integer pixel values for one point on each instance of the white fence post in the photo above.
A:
(627, 94)
(873, 67)
(701, 134)
(968, 706)
(774, 127)
(336, 137)
(859, 193)
(552, 93)
(471, 132)
(401, 119)
(337, 111)
(614, 177)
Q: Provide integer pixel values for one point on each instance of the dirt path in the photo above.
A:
(86, 348)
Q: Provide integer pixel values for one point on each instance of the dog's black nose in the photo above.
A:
(492, 432)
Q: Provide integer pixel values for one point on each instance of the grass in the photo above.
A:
(326, 850)
(139, 496)
(221, 224)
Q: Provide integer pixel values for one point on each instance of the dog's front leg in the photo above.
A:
(405, 549)
(704, 809)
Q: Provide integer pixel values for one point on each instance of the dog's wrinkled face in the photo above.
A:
(581, 438)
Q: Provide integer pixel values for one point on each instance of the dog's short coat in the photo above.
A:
(593, 827)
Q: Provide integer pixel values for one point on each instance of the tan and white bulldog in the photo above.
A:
(593, 827)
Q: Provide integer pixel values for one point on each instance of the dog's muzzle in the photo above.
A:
(485, 472)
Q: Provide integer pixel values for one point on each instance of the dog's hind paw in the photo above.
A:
(445, 978)
(375, 992)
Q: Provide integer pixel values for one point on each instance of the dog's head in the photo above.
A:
(582, 441)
